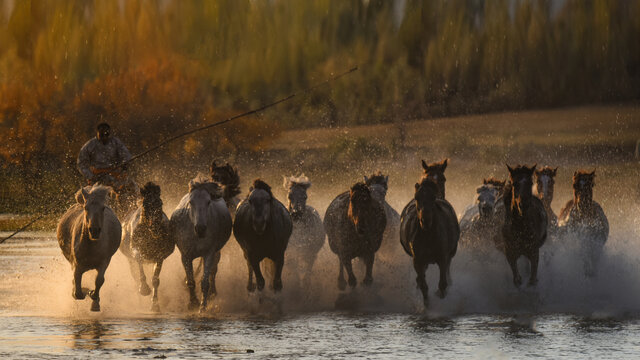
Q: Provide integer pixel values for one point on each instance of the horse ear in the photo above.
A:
(142, 191)
(417, 186)
(575, 173)
(533, 168)
(555, 171)
(250, 188)
(424, 165)
(386, 179)
(593, 173)
(444, 164)
(510, 168)
(80, 196)
(366, 179)
(478, 189)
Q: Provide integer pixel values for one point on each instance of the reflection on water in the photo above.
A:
(89, 334)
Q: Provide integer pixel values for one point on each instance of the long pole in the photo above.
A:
(189, 132)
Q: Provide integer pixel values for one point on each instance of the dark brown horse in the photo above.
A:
(390, 250)
(525, 226)
(435, 173)
(89, 234)
(355, 224)
(262, 228)
(545, 183)
(584, 218)
(429, 233)
(146, 238)
(227, 176)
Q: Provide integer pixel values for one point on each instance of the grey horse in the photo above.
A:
(390, 249)
(544, 187)
(307, 237)
(584, 219)
(482, 222)
(262, 228)
(429, 233)
(89, 234)
(355, 224)
(146, 238)
(201, 226)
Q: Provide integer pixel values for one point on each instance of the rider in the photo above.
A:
(99, 157)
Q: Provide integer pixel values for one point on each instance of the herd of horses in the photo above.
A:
(507, 216)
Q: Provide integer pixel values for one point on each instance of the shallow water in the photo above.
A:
(568, 316)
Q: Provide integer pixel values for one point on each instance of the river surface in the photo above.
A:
(483, 316)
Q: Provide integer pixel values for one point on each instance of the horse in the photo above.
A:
(146, 238)
(435, 173)
(227, 176)
(584, 218)
(201, 226)
(355, 224)
(262, 228)
(482, 222)
(89, 234)
(429, 233)
(378, 184)
(544, 191)
(525, 227)
(307, 237)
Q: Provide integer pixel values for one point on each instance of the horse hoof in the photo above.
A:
(367, 281)
(78, 295)
(517, 282)
(441, 294)
(155, 307)
(342, 285)
(260, 285)
(425, 302)
(533, 283)
(353, 282)
(95, 305)
(193, 305)
(203, 309)
(144, 289)
(92, 295)
(277, 285)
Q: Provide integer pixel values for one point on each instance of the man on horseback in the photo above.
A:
(103, 160)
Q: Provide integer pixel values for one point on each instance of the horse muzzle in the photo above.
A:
(94, 233)
(485, 210)
(200, 230)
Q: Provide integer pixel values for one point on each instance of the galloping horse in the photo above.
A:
(262, 228)
(227, 176)
(482, 222)
(584, 218)
(307, 237)
(355, 224)
(390, 247)
(544, 191)
(89, 234)
(429, 233)
(201, 226)
(146, 238)
(525, 226)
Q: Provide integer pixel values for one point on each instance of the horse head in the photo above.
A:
(297, 196)
(521, 179)
(260, 199)
(545, 183)
(227, 176)
(583, 182)
(498, 184)
(94, 201)
(359, 203)
(378, 184)
(486, 200)
(426, 194)
(201, 194)
(435, 173)
(151, 202)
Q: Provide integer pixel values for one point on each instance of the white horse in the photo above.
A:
(89, 234)
(201, 226)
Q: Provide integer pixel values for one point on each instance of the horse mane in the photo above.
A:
(259, 184)
(377, 178)
(428, 183)
(201, 182)
(292, 181)
(500, 184)
(547, 170)
(150, 188)
(485, 187)
(232, 183)
(579, 173)
(441, 165)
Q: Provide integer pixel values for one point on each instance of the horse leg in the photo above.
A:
(255, 264)
(77, 292)
(191, 282)
(442, 284)
(533, 259)
(512, 258)
(277, 276)
(342, 283)
(206, 283)
(144, 288)
(368, 262)
(155, 281)
(352, 277)
(214, 270)
(251, 287)
(95, 294)
(421, 267)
